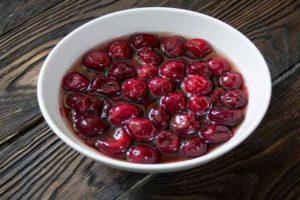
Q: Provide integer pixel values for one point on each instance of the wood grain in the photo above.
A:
(37, 165)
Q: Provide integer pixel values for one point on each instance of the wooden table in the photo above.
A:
(36, 164)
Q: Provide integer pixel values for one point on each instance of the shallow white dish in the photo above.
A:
(223, 37)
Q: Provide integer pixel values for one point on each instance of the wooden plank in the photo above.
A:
(265, 166)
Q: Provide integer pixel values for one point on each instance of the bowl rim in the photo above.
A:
(165, 167)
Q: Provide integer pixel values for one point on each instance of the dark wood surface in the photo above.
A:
(35, 164)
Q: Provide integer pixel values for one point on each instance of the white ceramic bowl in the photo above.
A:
(223, 37)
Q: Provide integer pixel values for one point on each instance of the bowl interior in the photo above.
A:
(224, 38)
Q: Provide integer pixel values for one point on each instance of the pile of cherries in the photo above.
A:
(152, 99)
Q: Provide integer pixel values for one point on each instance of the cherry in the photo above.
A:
(78, 102)
(120, 114)
(196, 84)
(231, 80)
(143, 154)
(218, 66)
(167, 142)
(216, 134)
(96, 60)
(121, 71)
(120, 49)
(149, 57)
(134, 89)
(193, 147)
(224, 116)
(173, 46)
(197, 48)
(104, 85)
(234, 99)
(159, 116)
(146, 72)
(160, 86)
(117, 144)
(91, 125)
(75, 81)
(174, 70)
(184, 124)
(215, 95)
(174, 102)
(141, 40)
(198, 68)
(141, 129)
(199, 105)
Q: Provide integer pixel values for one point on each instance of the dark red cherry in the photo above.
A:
(149, 57)
(218, 66)
(173, 46)
(117, 144)
(195, 84)
(167, 142)
(197, 48)
(134, 89)
(75, 81)
(96, 60)
(142, 40)
(215, 96)
(184, 124)
(224, 116)
(199, 68)
(78, 102)
(141, 129)
(107, 86)
(96, 107)
(174, 102)
(174, 70)
(146, 72)
(143, 154)
(193, 147)
(121, 71)
(234, 99)
(199, 105)
(120, 114)
(120, 49)
(231, 80)
(159, 116)
(91, 125)
(160, 86)
(216, 134)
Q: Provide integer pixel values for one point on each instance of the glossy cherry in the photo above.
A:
(121, 71)
(107, 86)
(173, 46)
(96, 60)
(198, 68)
(134, 89)
(141, 129)
(197, 48)
(184, 124)
(75, 81)
(142, 40)
(120, 49)
(117, 144)
(193, 147)
(121, 113)
(174, 102)
(146, 72)
(218, 66)
(195, 84)
(174, 70)
(78, 102)
(224, 116)
(160, 86)
(167, 142)
(149, 57)
(231, 80)
(215, 96)
(159, 116)
(91, 125)
(234, 99)
(199, 105)
(216, 134)
(143, 154)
